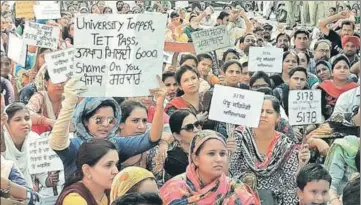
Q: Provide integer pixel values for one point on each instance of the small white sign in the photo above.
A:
(41, 158)
(60, 65)
(181, 4)
(304, 107)
(167, 57)
(211, 39)
(17, 49)
(268, 60)
(47, 11)
(236, 106)
(41, 35)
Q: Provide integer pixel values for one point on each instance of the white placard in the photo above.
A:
(60, 64)
(181, 4)
(17, 49)
(211, 39)
(41, 158)
(168, 57)
(41, 35)
(47, 11)
(236, 106)
(304, 107)
(268, 60)
(119, 55)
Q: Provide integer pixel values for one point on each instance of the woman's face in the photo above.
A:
(101, 123)
(269, 117)
(103, 172)
(172, 87)
(323, 72)
(303, 60)
(289, 62)
(56, 89)
(190, 82)
(5, 66)
(297, 81)
(135, 124)
(5, 7)
(107, 11)
(125, 7)
(245, 76)
(191, 63)
(212, 159)
(148, 185)
(231, 56)
(259, 83)
(204, 67)
(232, 75)
(341, 71)
(20, 124)
(186, 135)
(95, 9)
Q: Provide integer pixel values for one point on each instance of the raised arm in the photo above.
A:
(324, 22)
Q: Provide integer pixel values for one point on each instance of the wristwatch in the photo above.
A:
(5, 191)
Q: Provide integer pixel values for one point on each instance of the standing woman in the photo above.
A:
(332, 89)
(290, 60)
(204, 181)
(96, 167)
(266, 159)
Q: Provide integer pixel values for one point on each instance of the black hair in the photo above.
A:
(146, 198)
(179, 74)
(136, 186)
(351, 192)
(89, 153)
(323, 62)
(312, 172)
(196, 5)
(322, 41)
(338, 58)
(301, 31)
(186, 57)
(222, 15)
(285, 54)
(308, 57)
(283, 34)
(203, 56)
(168, 74)
(128, 106)
(297, 69)
(227, 64)
(119, 100)
(348, 23)
(176, 120)
(260, 75)
(105, 103)
(229, 51)
(275, 103)
(174, 14)
(348, 6)
(46, 74)
(107, 7)
(229, 6)
(13, 108)
(242, 38)
(333, 9)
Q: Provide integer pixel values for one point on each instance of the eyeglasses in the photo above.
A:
(100, 120)
(190, 127)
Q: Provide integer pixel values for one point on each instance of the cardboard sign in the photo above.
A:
(115, 56)
(47, 11)
(41, 158)
(208, 40)
(268, 60)
(60, 65)
(236, 106)
(41, 35)
(17, 49)
(24, 9)
(304, 107)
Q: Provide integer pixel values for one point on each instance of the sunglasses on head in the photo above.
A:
(190, 127)
(100, 120)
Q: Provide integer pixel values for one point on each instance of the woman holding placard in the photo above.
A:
(266, 159)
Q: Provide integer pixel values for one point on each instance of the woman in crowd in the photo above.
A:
(107, 10)
(99, 118)
(312, 80)
(132, 179)
(332, 89)
(205, 181)
(169, 79)
(205, 62)
(45, 105)
(230, 54)
(266, 159)
(184, 126)
(95, 171)
(323, 70)
(94, 9)
(124, 8)
(290, 60)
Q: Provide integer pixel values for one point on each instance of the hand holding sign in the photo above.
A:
(304, 155)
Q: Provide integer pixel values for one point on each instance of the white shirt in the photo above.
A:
(348, 101)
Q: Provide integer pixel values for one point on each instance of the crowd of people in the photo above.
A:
(163, 148)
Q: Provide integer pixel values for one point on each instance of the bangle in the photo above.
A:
(7, 190)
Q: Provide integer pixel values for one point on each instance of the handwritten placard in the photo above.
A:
(17, 49)
(119, 55)
(236, 106)
(41, 158)
(304, 107)
(211, 39)
(265, 59)
(60, 65)
(47, 11)
(24, 9)
(41, 35)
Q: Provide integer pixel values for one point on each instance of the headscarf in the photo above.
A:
(325, 63)
(88, 105)
(220, 192)
(353, 39)
(126, 179)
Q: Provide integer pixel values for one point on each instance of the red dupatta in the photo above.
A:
(329, 87)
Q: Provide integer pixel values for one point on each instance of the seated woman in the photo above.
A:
(99, 118)
(184, 126)
(332, 89)
(170, 82)
(205, 181)
(266, 159)
(204, 67)
(323, 70)
(131, 180)
(290, 60)
(96, 164)
(304, 61)
(45, 105)
(145, 198)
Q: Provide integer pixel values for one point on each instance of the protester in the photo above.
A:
(147, 198)
(289, 61)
